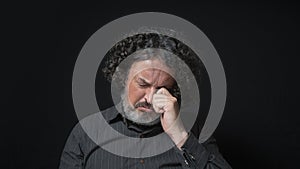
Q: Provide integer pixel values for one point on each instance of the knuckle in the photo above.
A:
(174, 99)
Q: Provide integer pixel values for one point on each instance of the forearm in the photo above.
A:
(198, 156)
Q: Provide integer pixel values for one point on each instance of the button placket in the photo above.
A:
(188, 158)
(142, 161)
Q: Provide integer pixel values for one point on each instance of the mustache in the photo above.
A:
(144, 104)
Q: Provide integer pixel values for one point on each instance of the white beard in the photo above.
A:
(140, 117)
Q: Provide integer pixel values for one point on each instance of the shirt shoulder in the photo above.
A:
(84, 133)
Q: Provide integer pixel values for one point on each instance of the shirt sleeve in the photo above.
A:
(205, 155)
(72, 156)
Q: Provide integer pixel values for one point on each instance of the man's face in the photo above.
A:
(144, 79)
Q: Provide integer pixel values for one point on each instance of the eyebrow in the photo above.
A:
(142, 80)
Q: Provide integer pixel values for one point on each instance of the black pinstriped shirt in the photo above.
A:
(81, 152)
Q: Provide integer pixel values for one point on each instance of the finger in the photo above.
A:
(165, 99)
(163, 91)
(162, 97)
(160, 106)
(158, 96)
(161, 111)
(158, 109)
(161, 103)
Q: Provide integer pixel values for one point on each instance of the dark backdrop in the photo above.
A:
(257, 43)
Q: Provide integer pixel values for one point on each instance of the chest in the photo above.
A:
(101, 159)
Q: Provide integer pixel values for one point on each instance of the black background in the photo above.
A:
(257, 43)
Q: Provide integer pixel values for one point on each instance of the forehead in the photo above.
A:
(154, 76)
(153, 64)
(151, 70)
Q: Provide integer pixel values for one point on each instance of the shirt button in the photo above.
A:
(142, 161)
(211, 157)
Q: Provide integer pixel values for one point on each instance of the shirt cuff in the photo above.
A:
(193, 152)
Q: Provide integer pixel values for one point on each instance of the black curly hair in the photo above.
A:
(131, 44)
(135, 43)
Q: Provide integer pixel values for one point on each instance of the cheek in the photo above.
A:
(135, 94)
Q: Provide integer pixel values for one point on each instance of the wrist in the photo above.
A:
(183, 140)
(179, 138)
(177, 133)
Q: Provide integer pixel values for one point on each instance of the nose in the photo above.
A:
(149, 94)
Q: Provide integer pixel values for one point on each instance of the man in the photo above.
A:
(149, 105)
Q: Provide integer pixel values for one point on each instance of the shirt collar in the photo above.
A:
(115, 117)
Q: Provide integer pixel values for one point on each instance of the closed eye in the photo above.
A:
(142, 82)
(143, 85)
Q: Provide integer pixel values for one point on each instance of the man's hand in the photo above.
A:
(164, 103)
